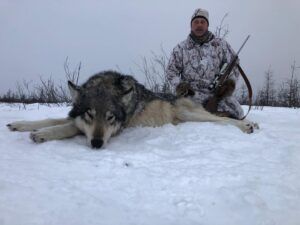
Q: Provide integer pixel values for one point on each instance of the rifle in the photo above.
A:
(221, 77)
(225, 71)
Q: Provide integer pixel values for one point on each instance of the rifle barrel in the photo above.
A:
(243, 44)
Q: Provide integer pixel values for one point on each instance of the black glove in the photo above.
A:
(211, 105)
(226, 89)
(184, 89)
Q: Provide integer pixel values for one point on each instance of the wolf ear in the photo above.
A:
(74, 91)
(128, 84)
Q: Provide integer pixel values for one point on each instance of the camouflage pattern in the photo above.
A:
(198, 64)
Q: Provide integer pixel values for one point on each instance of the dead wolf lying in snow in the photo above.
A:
(109, 101)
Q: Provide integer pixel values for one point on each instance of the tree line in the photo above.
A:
(283, 94)
(272, 93)
(46, 91)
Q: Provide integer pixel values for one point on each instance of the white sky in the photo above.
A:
(37, 36)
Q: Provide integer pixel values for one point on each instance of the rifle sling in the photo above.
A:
(249, 89)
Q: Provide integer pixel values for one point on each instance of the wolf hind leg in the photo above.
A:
(35, 125)
(57, 132)
(187, 110)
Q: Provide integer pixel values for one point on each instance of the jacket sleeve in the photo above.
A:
(227, 57)
(175, 67)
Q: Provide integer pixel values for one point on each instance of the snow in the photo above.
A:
(193, 173)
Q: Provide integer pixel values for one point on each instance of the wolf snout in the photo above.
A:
(96, 143)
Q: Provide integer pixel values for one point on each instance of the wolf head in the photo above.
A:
(103, 105)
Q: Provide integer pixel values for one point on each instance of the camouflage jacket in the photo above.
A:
(197, 64)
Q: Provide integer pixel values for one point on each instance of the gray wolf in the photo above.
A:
(109, 102)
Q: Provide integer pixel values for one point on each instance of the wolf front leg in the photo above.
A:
(35, 125)
(57, 132)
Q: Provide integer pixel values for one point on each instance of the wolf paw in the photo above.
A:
(249, 127)
(20, 126)
(39, 136)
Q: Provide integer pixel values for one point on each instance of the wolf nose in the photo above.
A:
(96, 143)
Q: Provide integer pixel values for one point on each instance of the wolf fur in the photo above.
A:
(109, 102)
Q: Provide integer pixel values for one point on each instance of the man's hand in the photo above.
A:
(212, 104)
(184, 89)
(226, 89)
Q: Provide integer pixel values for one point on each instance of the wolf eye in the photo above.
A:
(110, 118)
(89, 114)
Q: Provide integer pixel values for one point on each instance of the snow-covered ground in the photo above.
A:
(193, 173)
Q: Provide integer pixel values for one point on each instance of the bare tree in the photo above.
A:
(242, 94)
(283, 95)
(222, 30)
(72, 75)
(154, 69)
(270, 92)
(293, 96)
(267, 95)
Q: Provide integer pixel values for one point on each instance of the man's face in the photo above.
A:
(199, 26)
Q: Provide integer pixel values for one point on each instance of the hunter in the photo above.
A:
(194, 64)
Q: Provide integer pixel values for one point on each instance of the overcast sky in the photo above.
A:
(37, 36)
